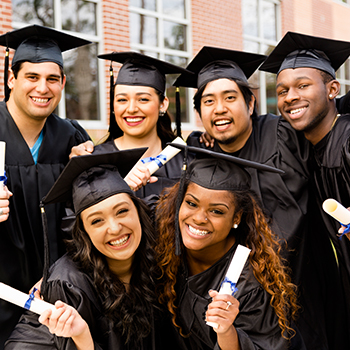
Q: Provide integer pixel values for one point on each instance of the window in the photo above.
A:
(160, 28)
(77, 17)
(343, 76)
(260, 32)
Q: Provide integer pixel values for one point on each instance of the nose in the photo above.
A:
(220, 107)
(132, 107)
(200, 217)
(291, 95)
(42, 86)
(114, 226)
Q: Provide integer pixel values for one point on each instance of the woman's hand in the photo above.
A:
(206, 139)
(65, 321)
(139, 176)
(84, 148)
(223, 310)
(5, 195)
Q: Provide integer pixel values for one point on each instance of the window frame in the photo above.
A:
(162, 51)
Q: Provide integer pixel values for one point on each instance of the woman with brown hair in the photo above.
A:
(207, 216)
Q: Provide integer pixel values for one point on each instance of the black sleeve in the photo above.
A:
(30, 334)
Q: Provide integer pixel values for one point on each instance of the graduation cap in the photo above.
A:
(215, 171)
(138, 69)
(212, 63)
(37, 44)
(297, 50)
(90, 179)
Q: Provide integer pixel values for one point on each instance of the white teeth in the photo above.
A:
(197, 232)
(40, 100)
(296, 110)
(222, 122)
(133, 120)
(119, 242)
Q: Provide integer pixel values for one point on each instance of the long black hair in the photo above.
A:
(130, 311)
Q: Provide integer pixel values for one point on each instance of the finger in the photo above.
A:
(89, 146)
(44, 317)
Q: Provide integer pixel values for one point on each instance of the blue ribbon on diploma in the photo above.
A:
(155, 159)
(233, 285)
(4, 178)
(347, 230)
(29, 301)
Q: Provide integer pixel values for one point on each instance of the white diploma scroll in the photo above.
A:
(234, 271)
(337, 211)
(2, 161)
(19, 298)
(167, 153)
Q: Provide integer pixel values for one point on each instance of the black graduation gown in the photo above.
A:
(21, 238)
(76, 288)
(330, 174)
(168, 175)
(256, 324)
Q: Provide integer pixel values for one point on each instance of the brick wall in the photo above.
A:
(5, 26)
(216, 23)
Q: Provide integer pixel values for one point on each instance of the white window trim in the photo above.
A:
(162, 51)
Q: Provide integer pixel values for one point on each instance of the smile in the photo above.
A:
(197, 232)
(294, 111)
(222, 122)
(119, 242)
(133, 119)
(40, 100)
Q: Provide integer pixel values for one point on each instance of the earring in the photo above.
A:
(330, 95)
(161, 113)
(235, 225)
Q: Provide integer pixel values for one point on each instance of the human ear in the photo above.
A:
(333, 89)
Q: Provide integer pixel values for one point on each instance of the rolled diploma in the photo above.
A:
(337, 211)
(19, 298)
(234, 271)
(2, 161)
(169, 152)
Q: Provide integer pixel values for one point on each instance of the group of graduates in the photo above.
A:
(134, 260)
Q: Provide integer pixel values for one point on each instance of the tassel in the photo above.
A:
(113, 126)
(46, 249)
(178, 112)
(179, 202)
(6, 73)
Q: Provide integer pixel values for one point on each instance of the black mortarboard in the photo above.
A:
(38, 44)
(141, 70)
(216, 171)
(90, 179)
(297, 50)
(212, 63)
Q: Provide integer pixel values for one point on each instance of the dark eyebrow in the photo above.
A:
(138, 93)
(211, 204)
(297, 79)
(223, 92)
(114, 207)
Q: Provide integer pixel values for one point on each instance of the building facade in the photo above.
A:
(172, 30)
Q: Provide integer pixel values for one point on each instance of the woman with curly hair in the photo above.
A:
(105, 282)
(213, 211)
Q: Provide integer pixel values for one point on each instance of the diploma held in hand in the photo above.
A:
(153, 164)
(338, 212)
(237, 263)
(26, 301)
